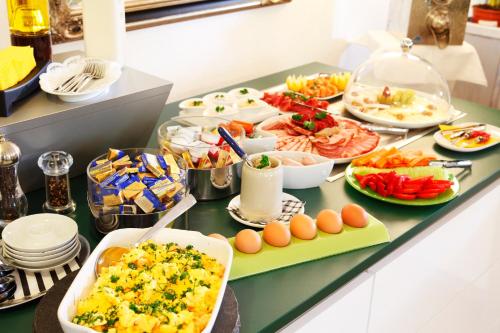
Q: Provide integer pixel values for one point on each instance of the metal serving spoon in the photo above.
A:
(6, 270)
(233, 144)
(112, 255)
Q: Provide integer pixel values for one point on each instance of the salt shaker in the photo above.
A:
(13, 202)
(55, 165)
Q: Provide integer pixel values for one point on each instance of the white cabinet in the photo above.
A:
(428, 287)
(346, 311)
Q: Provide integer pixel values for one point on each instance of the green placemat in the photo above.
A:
(299, 251)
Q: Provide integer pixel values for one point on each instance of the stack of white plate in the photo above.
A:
(40, 242)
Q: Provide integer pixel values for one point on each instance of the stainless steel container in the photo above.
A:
(213, 184)
(105, 223)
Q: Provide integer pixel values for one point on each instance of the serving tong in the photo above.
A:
(451, 164)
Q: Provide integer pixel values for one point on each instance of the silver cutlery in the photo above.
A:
(6, 270)
(386, 130)
(451, 163)
(91, 71)
(7, 288)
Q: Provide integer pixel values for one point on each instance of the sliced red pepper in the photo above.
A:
(427, 195)
(381, 189)
(403, 196)
(372, 185)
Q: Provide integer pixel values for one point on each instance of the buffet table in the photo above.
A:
(269, 301)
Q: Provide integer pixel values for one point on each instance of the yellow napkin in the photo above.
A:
(16, 62)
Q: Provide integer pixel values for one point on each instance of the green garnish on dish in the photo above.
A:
(320, 115)
(251, 101)
(219, 108)
(264, 162)
(244, 91)
(309, 125)
(297, 117)
(197, 103)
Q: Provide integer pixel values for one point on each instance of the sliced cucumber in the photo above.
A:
(414, 172)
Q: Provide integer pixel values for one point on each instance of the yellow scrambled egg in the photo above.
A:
(156, 288)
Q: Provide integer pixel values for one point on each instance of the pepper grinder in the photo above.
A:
(13, 202)
(55, 165)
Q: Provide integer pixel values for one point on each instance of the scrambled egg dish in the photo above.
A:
(156, 288)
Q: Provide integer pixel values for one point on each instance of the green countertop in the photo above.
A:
(271, 300)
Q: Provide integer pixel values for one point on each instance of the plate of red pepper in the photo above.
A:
(418, 186)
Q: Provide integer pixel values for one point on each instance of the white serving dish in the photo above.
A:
(82, 284)
(245, 108)
(264, 142)
(251, 93)
(443, 142)
(187, 107)
(227, 112)
(301, 177)
(58, 73)
(219, 98)
(39, 232)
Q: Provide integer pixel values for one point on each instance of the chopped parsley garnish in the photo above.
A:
(119, 288)
(297, 117)
(189, 247)
(219, 108)
(264, 162)
(309, 125)
(320, 115)
(197, 103)
(131, 265)
(134, 308)
(173, 278)
(114, 278)
(244, 91)
(183, 275)
(251, 101)
(170, 295)
(138, 286)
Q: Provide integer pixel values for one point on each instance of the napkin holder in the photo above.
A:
(22, 89)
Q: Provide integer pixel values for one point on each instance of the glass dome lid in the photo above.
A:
(397, 88)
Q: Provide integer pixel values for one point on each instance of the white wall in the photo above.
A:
(204, 54)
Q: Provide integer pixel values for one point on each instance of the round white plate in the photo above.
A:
(39, 232)
(235, 202)
(58, 73)
(382, 121)
(268, 121)
(440, 139)
(41, 254)
(45, 265)
(8, 252)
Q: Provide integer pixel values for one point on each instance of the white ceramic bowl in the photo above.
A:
(189, 108)
(219, 98)
(245, 92)
(300, 177)
(264, 141)
(42, 264)
(244, 107)
(17, 256)
(82, 284)
(42, 254)
(222, 111)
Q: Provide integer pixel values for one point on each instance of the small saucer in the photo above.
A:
(291, 206)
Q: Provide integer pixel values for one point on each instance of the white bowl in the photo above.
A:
(245, 92)
(83, 282)
(218, 98)
(188, 107)
(39, 257)
(39, 232)
(41, 264)
(244, 107)
(42, 254)
(222, 111)
(264, 141)
(300, 177)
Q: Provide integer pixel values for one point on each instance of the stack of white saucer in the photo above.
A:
(40, 242)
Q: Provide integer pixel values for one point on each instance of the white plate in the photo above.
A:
(57, 251)
(382, 121)
(235, 202)
(39, 232)
(83, 282)
(252, 93)
(266, 122)
(45, 266)
(307, 176)
(58, 73)
(16, 256)
(440, 139)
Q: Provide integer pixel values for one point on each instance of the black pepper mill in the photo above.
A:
(55, 165)
(13, 202)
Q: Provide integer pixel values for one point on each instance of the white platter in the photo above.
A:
(39, 232)
(83, 282)
(58, 73)
(268, 121)
(235, 202)
(307, 176)
(440, 139)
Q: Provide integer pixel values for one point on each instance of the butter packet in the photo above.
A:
(148, 202)
(151, 163)
(111, 196)
(173, 168)
(114, 154)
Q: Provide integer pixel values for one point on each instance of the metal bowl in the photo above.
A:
(105, 223)
(213, 184)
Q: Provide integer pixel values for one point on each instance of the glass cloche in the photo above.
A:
(400, 89)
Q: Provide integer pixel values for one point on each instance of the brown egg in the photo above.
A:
(276, 234)
(302, 226)
(218, 236)
(248, 241)
(355, 216)
(329, 221)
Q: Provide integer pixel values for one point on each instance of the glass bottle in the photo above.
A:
(29, 23)
(13, 202)
(55, 165)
